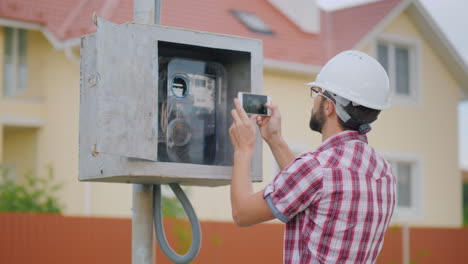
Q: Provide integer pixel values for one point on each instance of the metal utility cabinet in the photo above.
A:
(155, 103)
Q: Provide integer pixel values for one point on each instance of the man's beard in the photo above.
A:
(317, 119)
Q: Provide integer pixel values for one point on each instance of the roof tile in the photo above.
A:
(340, 30)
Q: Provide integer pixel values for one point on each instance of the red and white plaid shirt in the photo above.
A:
(337, 202)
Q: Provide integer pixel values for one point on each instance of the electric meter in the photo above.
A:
(190, 129)
(155, 103)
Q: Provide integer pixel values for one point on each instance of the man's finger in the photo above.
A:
(235, 116)
(232, 136)
(232, 130)
(273, 109)
(240, 110)
(261, 120)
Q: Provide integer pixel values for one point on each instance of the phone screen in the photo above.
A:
(255, 103)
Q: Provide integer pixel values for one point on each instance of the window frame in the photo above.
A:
(240, 16)
(415, 98)
(15, 88)
(415, 211)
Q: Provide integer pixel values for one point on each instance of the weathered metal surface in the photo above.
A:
(126, 91)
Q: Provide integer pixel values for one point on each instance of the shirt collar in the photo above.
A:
(341, 138)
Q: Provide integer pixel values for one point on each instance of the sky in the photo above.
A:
(451, 16)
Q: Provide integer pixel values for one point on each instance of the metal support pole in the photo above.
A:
(406, 243)
(142, 224)
(157, 14)
(144, 12)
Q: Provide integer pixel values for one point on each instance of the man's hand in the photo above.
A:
(242, 130)
(248, 208)
(270, 126)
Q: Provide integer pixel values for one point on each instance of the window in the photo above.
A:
(407, 170)
(252, 22)
(399, 57)
(15, 61)
(404, 176)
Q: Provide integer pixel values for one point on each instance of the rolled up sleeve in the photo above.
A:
(294, 189)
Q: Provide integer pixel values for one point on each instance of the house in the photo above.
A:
(39, 106)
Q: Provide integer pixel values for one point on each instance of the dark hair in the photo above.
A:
(359, 115)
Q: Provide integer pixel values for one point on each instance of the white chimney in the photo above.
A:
(304, 13)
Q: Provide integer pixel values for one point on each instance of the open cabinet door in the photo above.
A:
(127, 91)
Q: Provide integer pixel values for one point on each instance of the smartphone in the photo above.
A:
(254, 103)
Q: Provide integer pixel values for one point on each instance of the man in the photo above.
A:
(338, 200)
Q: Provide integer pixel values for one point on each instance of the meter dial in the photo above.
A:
(179, 133)
(179, 85)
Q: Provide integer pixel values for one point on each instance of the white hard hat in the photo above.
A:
(357, 77)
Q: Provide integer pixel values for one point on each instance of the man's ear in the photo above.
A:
(330, 108)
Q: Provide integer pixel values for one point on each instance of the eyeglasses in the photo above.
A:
(314, 92)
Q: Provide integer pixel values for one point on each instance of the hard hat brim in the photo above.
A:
(353, 99)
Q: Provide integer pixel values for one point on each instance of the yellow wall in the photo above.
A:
(20, 150)
(36, 62)
(430, 130)
(52, 99)
(19, 144)
(28, 107)
(1, 143)
(58, 138)
(2, 48)
(35, 59)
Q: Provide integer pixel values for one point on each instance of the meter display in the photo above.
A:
(193, 122)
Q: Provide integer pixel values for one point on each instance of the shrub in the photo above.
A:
(29, 193)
